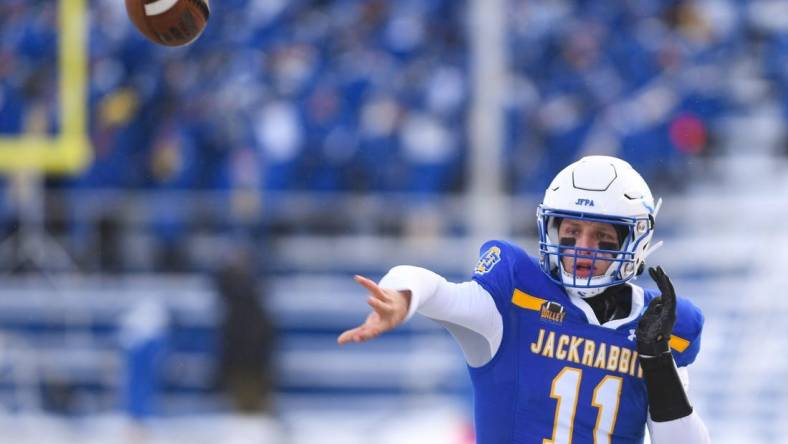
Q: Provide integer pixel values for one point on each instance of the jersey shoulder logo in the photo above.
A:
(488, 260)
(552, 312)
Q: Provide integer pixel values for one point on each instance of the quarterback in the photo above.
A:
(563, 348)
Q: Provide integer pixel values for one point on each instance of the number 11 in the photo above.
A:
(606, 398)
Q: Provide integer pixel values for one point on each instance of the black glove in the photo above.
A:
(666, 396)
(656, 325)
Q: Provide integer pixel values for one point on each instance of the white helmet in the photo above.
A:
(597, 189)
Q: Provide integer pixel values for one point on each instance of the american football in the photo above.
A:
(169, 22)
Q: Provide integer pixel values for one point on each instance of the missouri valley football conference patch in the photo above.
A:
(488, 260)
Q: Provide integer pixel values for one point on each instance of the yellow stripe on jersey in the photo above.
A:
(678, 344)
(525, 300)
(528, 302)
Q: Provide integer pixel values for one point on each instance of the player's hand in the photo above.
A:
(389, 309)
(656, 325)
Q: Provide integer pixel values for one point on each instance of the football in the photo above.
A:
(169, 22)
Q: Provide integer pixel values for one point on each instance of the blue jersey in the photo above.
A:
(557, 378)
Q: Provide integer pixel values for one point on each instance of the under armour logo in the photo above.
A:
(632, 335)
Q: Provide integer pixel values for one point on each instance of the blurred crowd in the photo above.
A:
(277, 95)
(353, 95)
(374, 95)
(651, 81)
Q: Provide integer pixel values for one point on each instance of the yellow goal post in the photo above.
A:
(69, 151)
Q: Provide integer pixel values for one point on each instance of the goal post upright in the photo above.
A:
(69, 151)
(28, 157)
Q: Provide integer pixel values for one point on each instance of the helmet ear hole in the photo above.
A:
(641, 268)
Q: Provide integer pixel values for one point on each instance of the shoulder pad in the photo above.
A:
(495, 270)
(685, 340)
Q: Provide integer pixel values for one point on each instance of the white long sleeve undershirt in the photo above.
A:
(467, 310)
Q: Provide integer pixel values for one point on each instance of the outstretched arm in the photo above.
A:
(466, 309)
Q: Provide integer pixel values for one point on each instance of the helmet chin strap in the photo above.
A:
(584, 293)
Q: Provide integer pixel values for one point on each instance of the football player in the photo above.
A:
(563, 348)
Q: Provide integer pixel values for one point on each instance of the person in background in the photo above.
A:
(144, 331)
(247, 338)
